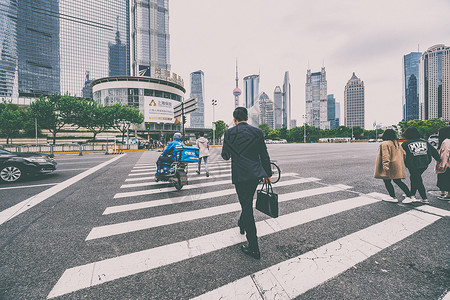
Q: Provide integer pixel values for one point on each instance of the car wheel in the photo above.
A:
(10, 173)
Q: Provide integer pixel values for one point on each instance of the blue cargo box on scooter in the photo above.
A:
(188, 154)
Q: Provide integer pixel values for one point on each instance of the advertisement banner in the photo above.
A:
(159, 110)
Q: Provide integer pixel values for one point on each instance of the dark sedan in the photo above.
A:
(14, 166)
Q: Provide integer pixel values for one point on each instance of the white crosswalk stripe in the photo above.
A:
(107, 270)
(152, 171)
(295, 276)
(126, 227)
(285, 280)
(193, 168)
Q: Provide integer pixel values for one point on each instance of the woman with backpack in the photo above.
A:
(418, 157)
(390, 165)
(443, 167)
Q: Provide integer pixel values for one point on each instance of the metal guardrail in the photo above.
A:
(65, 148)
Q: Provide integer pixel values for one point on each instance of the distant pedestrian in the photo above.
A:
(203, 146)
(390, 165)
(418, 157)
(250, 162)
(443, 167)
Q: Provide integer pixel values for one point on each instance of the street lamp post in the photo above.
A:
(214, 103)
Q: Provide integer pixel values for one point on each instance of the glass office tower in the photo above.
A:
(86, 30)
(150, 37)
(354, 102)
(38, 47)
(410, 86)
(278, 107)
(251, 90)
(197, 118)
(434, 83)
(316, 99)
(8, 48)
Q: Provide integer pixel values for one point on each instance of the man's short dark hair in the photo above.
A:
(389, 135)
(240, 114)
(201, 133)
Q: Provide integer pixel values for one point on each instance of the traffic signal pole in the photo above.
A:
(183, 118)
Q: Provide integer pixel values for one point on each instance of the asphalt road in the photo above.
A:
(99, 228)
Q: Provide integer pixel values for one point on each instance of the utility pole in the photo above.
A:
(304, 128)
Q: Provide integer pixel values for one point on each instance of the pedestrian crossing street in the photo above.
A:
(284, 280)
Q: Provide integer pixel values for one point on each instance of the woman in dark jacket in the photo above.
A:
(418, 157)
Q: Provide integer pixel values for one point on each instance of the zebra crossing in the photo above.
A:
(285, 280)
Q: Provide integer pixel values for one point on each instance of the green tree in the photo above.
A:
(295, 134)
(94, 117)
(123, 116)
(283, 133)
(221, 126)
(11, 121)
(273, 134)
(55, 111)
(265, 129)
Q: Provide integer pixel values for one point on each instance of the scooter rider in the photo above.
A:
(166, 156)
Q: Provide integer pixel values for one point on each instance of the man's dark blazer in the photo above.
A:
(244, 144)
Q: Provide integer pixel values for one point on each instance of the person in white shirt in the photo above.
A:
(203, 146)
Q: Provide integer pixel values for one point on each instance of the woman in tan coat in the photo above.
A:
(390, 165)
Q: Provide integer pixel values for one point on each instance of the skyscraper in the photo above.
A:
(8, 47)
(331, 111)
(38, 38)
(434, 72)
(278, 107)
(118, 58)
(86, 30)
(411, 86)
(316, 99)
(237, 91)
(197, 118)
(266, 110)
(150, 37)
(338, 114)
(286, 101)
(354, 102)
(251, 90)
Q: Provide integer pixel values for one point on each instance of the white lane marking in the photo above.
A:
(23, 206)
(153, 166)
(169, 189)
(446, 297)
(211, 177)
(293, 277)
(61, 169)
(125, 227)
(194, 168)
(191, 176)
(27, 186)
(191, 198)
(99, 272)
(150, 172)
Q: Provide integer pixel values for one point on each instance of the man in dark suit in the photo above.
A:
(250, 162)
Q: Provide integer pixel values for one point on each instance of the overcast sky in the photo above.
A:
(271, 37)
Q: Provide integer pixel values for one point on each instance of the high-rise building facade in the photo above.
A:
(286, 101)
(38, 39)
(8, 47)
(316, 99)
(278, 107)
(354, 102)
(434, 73)
(87, 28)
(266, 111)
(410, 90)
(197, 118)
(337, 114)
(150, 39)
(251, 90)
(331, 111)
(118, 58)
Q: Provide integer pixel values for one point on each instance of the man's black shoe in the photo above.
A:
(250, 252)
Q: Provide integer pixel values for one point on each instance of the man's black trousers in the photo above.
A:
(246, 191)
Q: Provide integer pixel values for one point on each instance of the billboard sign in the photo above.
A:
(159, 110)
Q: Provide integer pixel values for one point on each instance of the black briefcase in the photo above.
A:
(267, 200)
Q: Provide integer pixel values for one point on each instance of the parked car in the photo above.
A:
(372, 140)
(14, 166)
(433, 140)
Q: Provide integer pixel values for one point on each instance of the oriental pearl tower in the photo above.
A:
(237, 91)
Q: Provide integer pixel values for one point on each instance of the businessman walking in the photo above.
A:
(250, 162)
